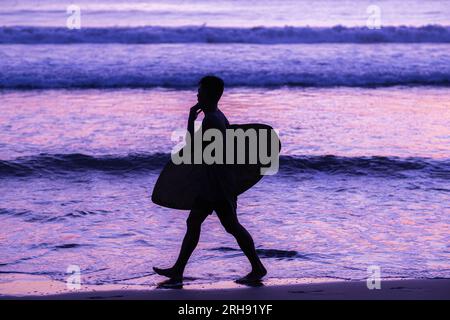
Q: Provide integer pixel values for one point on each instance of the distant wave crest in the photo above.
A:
(205, 34)
(43, 79)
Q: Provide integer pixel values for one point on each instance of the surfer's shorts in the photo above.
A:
(211, 206)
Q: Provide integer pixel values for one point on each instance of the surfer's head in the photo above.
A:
(209, 92)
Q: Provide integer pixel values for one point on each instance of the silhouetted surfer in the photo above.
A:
(218, 196)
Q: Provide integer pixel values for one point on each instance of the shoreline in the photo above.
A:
(405, 289)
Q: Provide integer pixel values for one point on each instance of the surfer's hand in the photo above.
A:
(195, 111)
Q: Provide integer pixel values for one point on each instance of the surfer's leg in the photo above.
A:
(190, 241)
(228, 217)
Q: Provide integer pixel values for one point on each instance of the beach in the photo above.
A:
(406, 289)
(89, 117)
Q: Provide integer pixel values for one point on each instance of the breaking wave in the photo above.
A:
(50, 164)
(204, 34)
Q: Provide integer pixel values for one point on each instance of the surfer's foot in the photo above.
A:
(254, 276)
(170, 273)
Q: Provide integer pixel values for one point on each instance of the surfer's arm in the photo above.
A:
(193, 113)
(190, 127)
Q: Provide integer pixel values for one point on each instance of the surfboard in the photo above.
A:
(179, 185)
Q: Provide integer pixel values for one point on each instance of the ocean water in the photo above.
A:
(364, 120)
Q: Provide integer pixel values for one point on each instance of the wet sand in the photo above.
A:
(336, 290)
